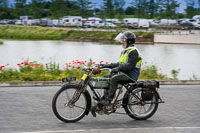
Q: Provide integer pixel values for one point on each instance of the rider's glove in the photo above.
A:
(115, 70)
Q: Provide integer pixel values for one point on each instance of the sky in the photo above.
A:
(99, 3)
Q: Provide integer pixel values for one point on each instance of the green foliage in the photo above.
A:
(44, 33)
(110, 9)
(31, 33)
(175, 73)
(32, 71)
(91, 35)
(1, 42)
(85, 6)
(151, 72)
(144, 34)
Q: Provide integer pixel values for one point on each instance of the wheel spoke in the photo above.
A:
(69, 112)
(144, 109)
(68, 97)
(137, 108)
(79, 107)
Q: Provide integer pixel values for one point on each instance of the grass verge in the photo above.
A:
(49, 33)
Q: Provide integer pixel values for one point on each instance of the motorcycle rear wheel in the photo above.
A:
(137, 108)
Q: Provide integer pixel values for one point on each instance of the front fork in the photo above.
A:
(81, 88)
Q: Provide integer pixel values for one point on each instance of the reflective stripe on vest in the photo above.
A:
(124, 57)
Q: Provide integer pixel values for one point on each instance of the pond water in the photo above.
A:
(165, 56)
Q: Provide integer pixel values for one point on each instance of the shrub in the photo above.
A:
(33, 71)
(151, 73)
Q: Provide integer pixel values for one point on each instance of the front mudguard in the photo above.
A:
(86, 93)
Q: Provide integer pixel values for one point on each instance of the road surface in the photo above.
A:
(28, 110)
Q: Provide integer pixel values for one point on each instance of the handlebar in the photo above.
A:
(88, 69)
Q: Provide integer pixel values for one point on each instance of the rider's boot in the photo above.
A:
(108, 98)
(106, 101)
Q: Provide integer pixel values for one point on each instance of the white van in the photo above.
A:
(136, 22)
(197, 17)
(72, 21)
(93, 23)
(164, 22)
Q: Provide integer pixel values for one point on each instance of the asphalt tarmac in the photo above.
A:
(28, 110)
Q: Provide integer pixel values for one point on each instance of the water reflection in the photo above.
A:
(165, 56)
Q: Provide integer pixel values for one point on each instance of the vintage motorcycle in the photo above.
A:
(73, 101)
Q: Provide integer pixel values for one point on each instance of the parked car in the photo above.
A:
(19, 22)
(93, 23)
(46, 22)
(114, 21)
(89, 23)
(154, 22)
(7, 21)
(164, 22)
(111, 25)
(187, 22)
(56, 22)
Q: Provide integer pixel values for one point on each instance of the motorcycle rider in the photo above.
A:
(127, 69)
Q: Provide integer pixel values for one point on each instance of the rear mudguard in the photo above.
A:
(86, 93)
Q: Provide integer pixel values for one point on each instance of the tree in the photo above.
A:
(169, 7)
(36, 8)
(20, 3)
(108, 8)
(130, 10)
(4, 3)
(191, 10)
(58, 8)
(3, 9)
(118, 8)
(85, 6)
(141, 8)
(20, 8)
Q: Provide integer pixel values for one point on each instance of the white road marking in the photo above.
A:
(112, 129)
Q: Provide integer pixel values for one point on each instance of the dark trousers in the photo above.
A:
(114, 81)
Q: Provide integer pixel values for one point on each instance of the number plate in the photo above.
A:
(84, 77)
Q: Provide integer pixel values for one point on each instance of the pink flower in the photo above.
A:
(78, 67)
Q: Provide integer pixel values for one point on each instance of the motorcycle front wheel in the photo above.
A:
(65, 111)
(136, 107)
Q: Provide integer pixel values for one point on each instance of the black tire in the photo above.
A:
(62, 113)
(131, 98)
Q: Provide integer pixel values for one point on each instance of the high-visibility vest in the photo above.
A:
(124, 57)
